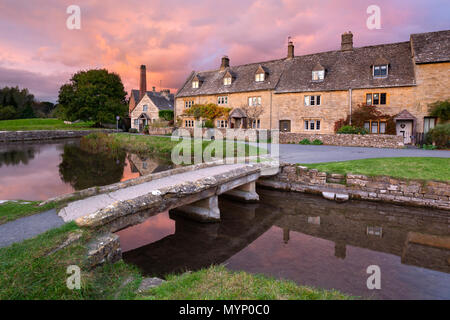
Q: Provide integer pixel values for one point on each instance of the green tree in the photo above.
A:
(166, 115)
(441, 110)
(20, 100)
(7, 113)
(96, 95)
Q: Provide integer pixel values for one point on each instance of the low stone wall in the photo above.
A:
(433, 194)
(7, 136)
(251, 135)
(160, 131)
(350, 140)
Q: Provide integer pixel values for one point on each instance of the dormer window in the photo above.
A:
(259, 77)
(195, 84)
(380, 71)
(227, 81)
(318, 73)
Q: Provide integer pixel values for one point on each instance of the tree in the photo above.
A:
(365, 113)
(7, 113)
(166, 115)
(208, 111)
(253, 112)
(20, 100)
(94, 95)
(441, 110)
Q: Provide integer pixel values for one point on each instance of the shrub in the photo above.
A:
(146, 129)
(305, 141)
(317, 142)
(428, 147)
(209, 124)
(352, 130)
(133, 130)
(364, 113)
(159, 123)
(7, 113)
(166, 115)
(441, 110)
(440, 135)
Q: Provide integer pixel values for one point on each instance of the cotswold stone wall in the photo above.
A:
(160, 131)
(251, 135)
(6, 136)
(349, 140)
(431, 194)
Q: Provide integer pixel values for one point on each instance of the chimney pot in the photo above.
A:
(143, 82)
(290, 54)
(347, 41)
(225, 63)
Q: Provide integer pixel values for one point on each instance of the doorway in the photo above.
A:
(285, 125)
(404, 128)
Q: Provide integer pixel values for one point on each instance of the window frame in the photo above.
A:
(145, 108)
(188, 103)
(227, 81)
(222, 100)
(379, 122)
(195, 84)
(427, 119)
(316, 124)
(251, 101)
(380, 95)
(379, 67)
(260, 77)
(320, 75)
(316, 98)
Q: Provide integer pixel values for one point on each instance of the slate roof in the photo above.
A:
(160, 101)
(431, 47)
(343, 70)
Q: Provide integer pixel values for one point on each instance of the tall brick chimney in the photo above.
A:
(290, 54)
(225, 63)
(347, 41)
(143, 82)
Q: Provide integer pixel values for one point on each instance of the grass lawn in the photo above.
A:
(35, 269)
(144, 144)
(218, 283)
(42, 124)
(408, 167)
(13, 210)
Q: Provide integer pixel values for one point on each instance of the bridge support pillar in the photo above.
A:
(245, 192)
(206, 210)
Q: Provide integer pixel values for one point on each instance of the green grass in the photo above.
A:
(42, 124)
(218, 283)
(29, 270)
(408, 167)
(13, 210)
(144, 145)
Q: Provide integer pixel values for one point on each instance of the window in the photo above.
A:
(222, 100)
(259, 77)
(318, 75)
(313, 100)
(188, 103)
(189, 123)
(255, 124)
(254, 101)
(145, 108)
(312, 124)
(373, 99)
(227, 81)
(428, 124)
(222, 124)
(195, 84)
(375, 126)
(380, 71)
(136, 122)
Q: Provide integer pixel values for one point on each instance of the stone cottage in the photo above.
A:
(144, 106)
(309, 93)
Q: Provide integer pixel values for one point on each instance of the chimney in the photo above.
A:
(347, 41)
(165, 93)
(290, 54)
(225, 63)
(143, 82)
(153, 88)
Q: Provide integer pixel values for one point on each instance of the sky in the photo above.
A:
(174, 37)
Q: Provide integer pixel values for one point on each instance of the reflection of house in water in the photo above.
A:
(419, 239)
(145, 165)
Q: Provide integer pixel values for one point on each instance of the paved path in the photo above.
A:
(89, 205)
(28, 227)
(297, 153)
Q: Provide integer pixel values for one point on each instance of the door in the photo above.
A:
(404, 128)
(285, 125)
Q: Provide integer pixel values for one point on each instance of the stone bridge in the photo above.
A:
(193, 193)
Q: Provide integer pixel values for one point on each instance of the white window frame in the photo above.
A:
(312, 100)
(260, 77)
(222, 123)
(145, 107)
(256, 124)
(195, 84)
(318, 75)
(254, 101)
(316, 123)
(188, 104)
(428, 124)
(222, 100)
(227, 81)
(136, 122)
(380, 68)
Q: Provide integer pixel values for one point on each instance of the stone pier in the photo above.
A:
(246, 192)
(205, 210)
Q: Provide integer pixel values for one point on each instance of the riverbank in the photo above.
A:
(12, 210)
(36, 269)
(42, 124)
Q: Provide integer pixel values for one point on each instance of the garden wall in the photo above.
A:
(160, 131)
(433, 194)
(350, 140)
(6, 136)
(251, 135)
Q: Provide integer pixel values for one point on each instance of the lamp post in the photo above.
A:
(117, 123)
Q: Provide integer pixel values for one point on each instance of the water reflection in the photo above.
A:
(40, 170)
(311, 241)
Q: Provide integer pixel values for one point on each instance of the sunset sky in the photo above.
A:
(174, 37)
